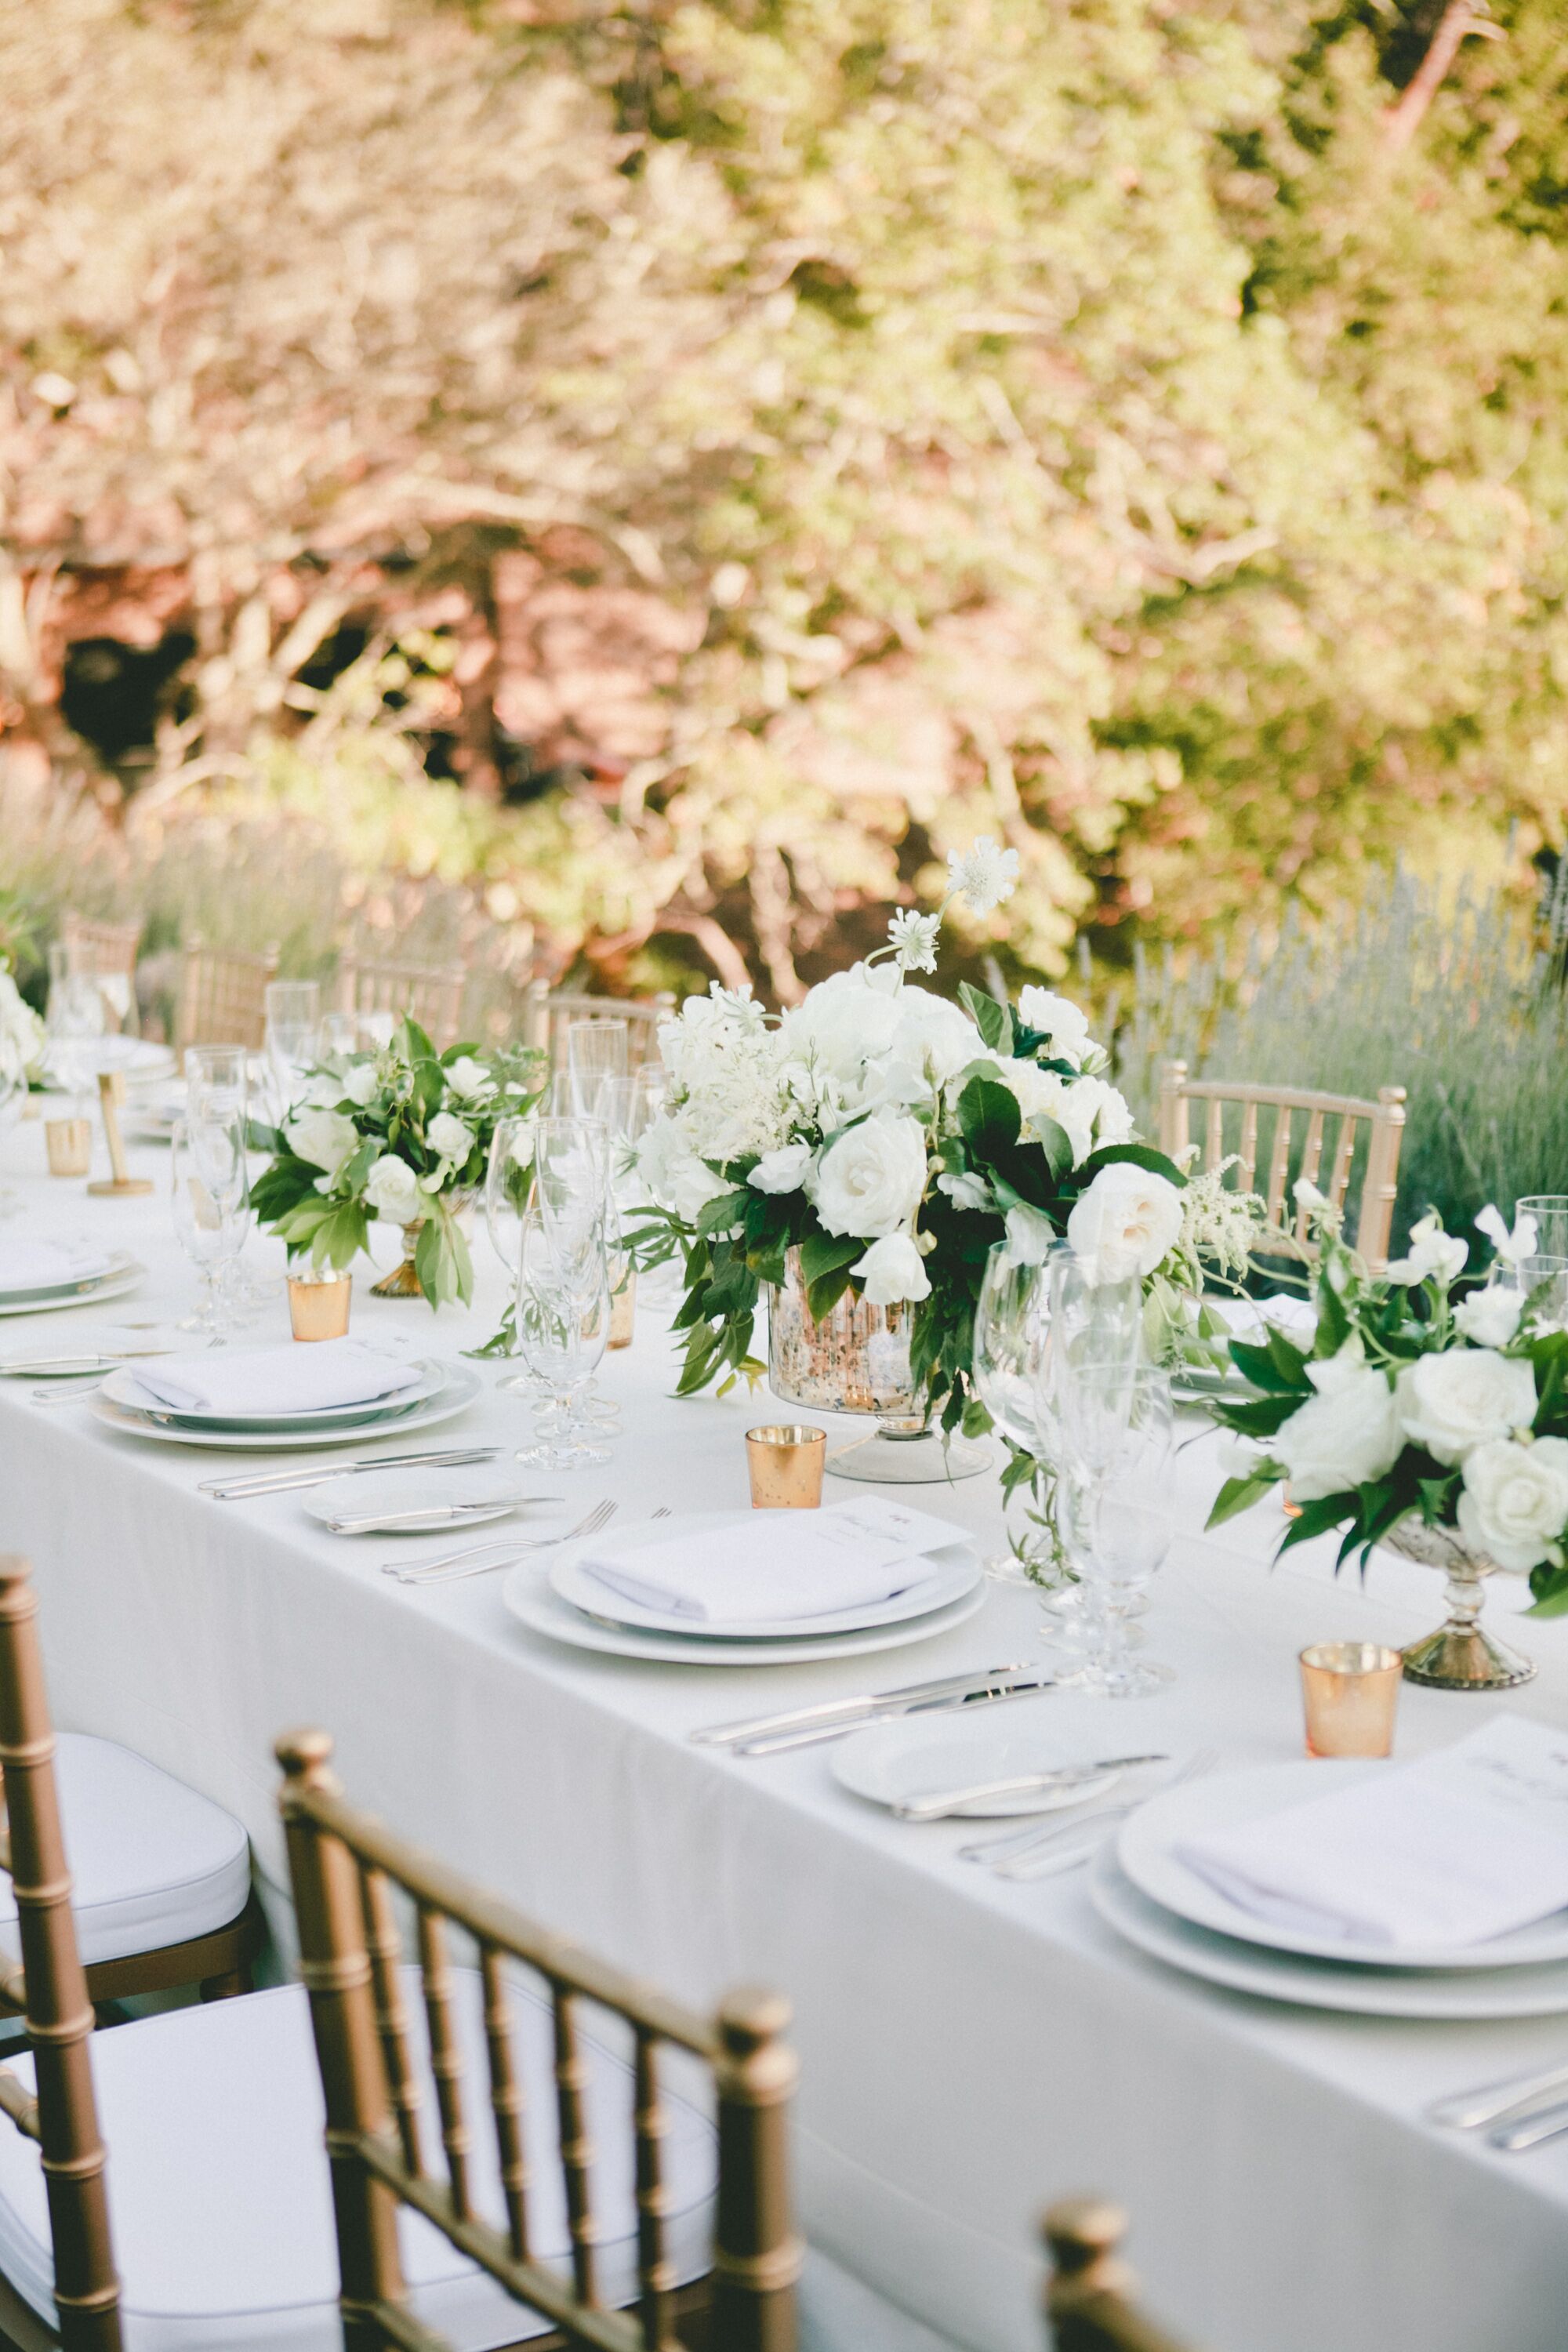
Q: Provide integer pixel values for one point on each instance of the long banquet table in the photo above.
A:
(969, 2048)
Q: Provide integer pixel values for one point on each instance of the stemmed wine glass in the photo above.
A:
(563, 1326)
(595, 1050)
(293, 1028)
(74, 1020)
(1012, 1337)
(1120, 1532)
(210, 1198)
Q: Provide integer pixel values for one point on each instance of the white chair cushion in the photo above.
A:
(218, 2193)
(151, 1862)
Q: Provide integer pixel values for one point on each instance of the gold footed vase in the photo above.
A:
(1460, 1656)
(403, 1281)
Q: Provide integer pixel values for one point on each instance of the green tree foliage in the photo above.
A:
(1076, 421)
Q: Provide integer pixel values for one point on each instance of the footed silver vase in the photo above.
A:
(1460, 1656)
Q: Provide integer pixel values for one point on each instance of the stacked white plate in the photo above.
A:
(438, 1391)
(71, 1276)
(565, 1603)
(1149, 1893)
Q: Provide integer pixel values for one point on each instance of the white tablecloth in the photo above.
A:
(970, 2048)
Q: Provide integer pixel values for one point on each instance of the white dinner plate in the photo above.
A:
(124, 1389)
(124, 1272)
(1320, 1984)
(532, 1601)
(388, 1499)
(896, 1763)
(1147, 1851)
(954, 1570)
(462, 1386)
(142, 1059)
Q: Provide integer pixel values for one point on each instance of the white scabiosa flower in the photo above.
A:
(983, 876)
(912, 938)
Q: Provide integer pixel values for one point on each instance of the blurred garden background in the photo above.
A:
(619, 493)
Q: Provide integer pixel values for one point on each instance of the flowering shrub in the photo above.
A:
(1410, 1402)
(398, 1135)
(892, 1136)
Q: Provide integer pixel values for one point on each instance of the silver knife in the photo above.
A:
(442, 1514)
(1491, 2102)
(1063, 1776)
(721, 1735)
(277, 1482)
(1529, 2131)
(988, 1693)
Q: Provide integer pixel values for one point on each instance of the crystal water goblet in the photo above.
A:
(562, 1330)
(210, 1200)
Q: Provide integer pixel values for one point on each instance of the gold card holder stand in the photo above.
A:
(122, 1185)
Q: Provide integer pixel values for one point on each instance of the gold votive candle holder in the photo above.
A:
(624, 1311)
(69, 1143)
(1349, 1691)
(786, 1459)
(318, 1305)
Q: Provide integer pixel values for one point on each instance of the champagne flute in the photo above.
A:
(293, 1023)
(1121, 1534)
(74, 1019)
(210, 1200)
(563, 1327)
(595, 1050)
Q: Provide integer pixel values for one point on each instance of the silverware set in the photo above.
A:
(454, 1565)
(835, 1718)
(1521, 2112)
(944, 1802)
(320, 1473)
(1036, 1852)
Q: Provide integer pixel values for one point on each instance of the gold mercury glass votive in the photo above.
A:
(785, 1459)
(624, 1311)
(1350, 1690)
(318, 1305)
(69, 1143)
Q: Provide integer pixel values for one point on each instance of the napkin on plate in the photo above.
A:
(779, 1565)
(35, 1264)
(1460, 1846)
(283, 1378)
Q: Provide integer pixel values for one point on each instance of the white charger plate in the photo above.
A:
(896, 1763)
(387, 1498)
(124, 1272)
(462, 1386)
(1146, 1851)
(956, 1571)
(124, 1388)
(530, 1597)
(1320, 1984)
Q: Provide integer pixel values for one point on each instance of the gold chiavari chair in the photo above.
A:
(111, 948)
(1377, 1128)
(549, 1012)
(432, 993)
(223, 996)
(344, 1867)
(1089, 2292)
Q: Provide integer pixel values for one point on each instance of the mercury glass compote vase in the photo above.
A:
(1459, 1655)
(857, 1359)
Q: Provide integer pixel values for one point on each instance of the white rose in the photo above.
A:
(470, 1080)
(1515, 1502)
(846, 1020)
(1346, 1434)
(360, 1083)
(325, 1138)
(1450, 1403)
(1058, 1018)
(674, 1171)
(392, 1189)
(21, 1031)
(1126, 1222)
(870, 1179)
(1490, 1318)
(892, 1269)
(1030, 1235)
(967, 1190)
(932, 1041)
(450, 1138)
(1087, 1111)
(784, 1171)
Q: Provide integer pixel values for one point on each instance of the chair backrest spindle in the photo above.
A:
(63, 2116)
(343, 1864)
(223, 997)
(432, 993)
(385, 1950)
(1089, 2290)
(549, 1012)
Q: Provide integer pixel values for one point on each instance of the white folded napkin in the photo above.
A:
(1460, 1846)
(1247, 1317)
(35, 1265)
(283, 1378)
(778, 1565)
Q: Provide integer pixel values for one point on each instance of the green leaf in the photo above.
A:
(1257, 1365)
(990, 1015)
(1550, 1586)
(1238, 1495)
(1316, 1517)
(1132, 1155)
(726, 1210)
(989, 1117)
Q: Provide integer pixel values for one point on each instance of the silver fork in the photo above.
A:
(1065, 1845)
(455, 1565)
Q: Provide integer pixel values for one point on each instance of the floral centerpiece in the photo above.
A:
(1417, 1417)
(404, 1135)
(876, 1139)
(21, 1032)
